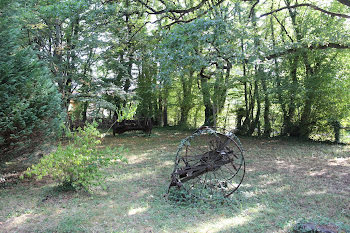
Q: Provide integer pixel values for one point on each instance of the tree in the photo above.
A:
(308, 71)
(202, 50)
(30, 103)
(65, 34)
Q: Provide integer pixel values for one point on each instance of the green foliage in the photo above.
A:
(288, 70)
(202, 51)
(77, 113)
(79, 163)
(127, 113)
(30, 103)
(65, 33)
(147, 90)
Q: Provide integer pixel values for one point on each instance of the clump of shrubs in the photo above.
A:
(78, 164)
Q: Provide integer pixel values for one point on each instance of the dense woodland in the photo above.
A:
(267, 68)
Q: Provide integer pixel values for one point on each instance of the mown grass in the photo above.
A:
(287, 181)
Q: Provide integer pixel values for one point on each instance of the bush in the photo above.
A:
(79, 163)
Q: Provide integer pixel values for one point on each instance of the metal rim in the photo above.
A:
(209, 164)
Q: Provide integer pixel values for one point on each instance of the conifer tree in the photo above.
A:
(30, 103)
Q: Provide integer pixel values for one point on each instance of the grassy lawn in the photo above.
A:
(286, 181)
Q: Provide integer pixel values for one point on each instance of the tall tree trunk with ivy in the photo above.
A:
(208, 112)
(186, 98)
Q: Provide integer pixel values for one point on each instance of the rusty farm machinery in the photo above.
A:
(209, 164)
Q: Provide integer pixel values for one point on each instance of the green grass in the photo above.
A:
(287, 181)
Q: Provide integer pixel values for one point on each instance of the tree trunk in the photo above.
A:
(336, 127)
(84, 113)
(305, 121)
(165, 108)
(159, 111)
(255, 121)
(267, 123)
(186, 103)
(289, 128)
(208, 113)
(184, 116)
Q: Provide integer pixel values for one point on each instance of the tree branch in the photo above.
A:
(345, 2)
(179, 20)
(283, 27)
(312, 47)
(179, 11)
(308, 5)
(252, 8)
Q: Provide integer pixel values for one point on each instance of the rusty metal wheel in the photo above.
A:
(209, 164)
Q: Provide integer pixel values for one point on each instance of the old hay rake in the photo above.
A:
(209, 164)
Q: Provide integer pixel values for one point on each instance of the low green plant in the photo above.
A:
(312, 224)
(79, 163)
